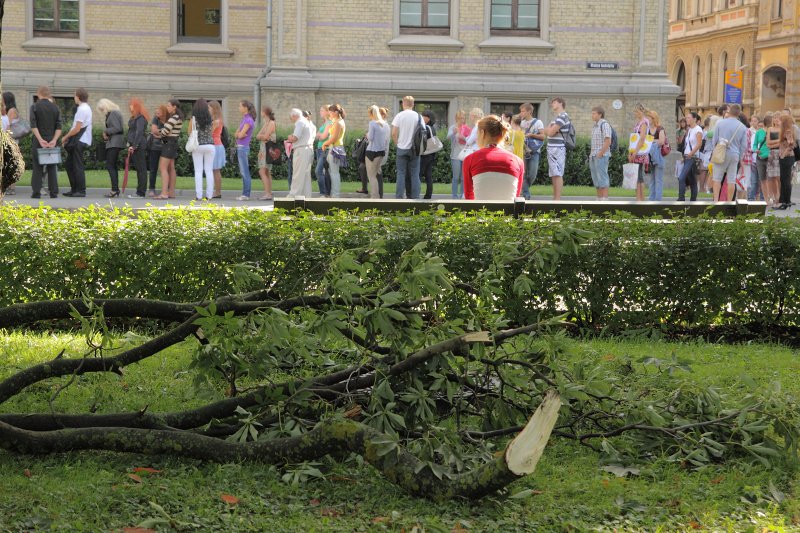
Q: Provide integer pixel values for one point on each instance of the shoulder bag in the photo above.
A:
(193, 142)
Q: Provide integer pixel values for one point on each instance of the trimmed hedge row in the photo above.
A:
(577, 165)
(630, 273)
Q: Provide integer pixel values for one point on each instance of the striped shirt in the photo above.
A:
(172, 128)
(562, 120)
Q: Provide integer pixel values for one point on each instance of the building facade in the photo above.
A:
(760, 38)
(449, 54)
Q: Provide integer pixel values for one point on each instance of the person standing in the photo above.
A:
(457, 143)
(302, 139)
(45, 118)
(731, 131)
(754, 184)
(335, 145)
(377, 136)
(688, 176)
(219, 149)
(114, 141)
(323, 178)
(427, 161)
(203, 155)
(534, 139)
(788, 141)
(657, 160)
(266, 133)
(75, 141)
(635, 154)
(154, 145)
(137, 144)
(556, 133)
(404, 125)
(599, 152)
(490, 157)
(243, 136)
(169, 150)
(10, 116)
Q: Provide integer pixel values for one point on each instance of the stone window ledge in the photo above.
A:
(200, 49)
(425, 42)
(515, 44)
(55, 44)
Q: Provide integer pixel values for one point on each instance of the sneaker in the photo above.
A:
(243, 198)
(135, 197)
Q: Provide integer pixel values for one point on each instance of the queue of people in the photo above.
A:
(758, 159)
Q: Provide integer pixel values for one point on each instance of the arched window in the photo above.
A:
(723, 66)
(707, 79)
(695, 88)
(740, 59)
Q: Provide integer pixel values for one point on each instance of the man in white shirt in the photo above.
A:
(404, 125)
(302, 140)
(75, 141)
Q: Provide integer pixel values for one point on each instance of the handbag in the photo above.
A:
(432, 146)
(20, 128)
(72, 142)
(272, 152)
(646, 145)
(630, 175)
(467, 150)
(193, 143)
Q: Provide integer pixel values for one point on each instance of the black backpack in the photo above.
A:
(418, 141)
(225, 137)
(614, 141)
(569, 137)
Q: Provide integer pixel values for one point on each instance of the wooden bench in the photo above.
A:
(521, 207)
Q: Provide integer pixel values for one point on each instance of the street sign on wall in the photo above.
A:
(734, 83)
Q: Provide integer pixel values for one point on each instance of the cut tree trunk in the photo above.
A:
(331, 436)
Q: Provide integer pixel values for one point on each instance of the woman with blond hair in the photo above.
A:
(472, 139)
(377, 136)
(773, 161)
(169, 151)
(154, 146)
(491, 157)
(335, 145)
(657, 160)
(217, 123)
(634, 156)
(266, 133)
(114, 141)
(137, 144)
(455, 133)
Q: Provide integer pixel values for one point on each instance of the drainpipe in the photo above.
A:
(268, 64)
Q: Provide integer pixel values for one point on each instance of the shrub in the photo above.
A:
(630, 273)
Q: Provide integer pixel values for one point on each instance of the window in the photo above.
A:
(425, 16)
(514, 17)
(200, 21)
(67, 106)
(679, 10)
(56, 18)
(498, 108)
(777, 9)
(440, 111)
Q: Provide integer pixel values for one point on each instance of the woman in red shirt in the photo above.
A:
(490, 158)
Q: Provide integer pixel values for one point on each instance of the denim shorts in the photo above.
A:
(219, 156)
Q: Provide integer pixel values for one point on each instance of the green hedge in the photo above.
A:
(577, 165)
(630, 273)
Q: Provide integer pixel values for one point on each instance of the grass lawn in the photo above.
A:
(98, 179)
(92, 491)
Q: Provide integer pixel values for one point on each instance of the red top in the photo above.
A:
(491, 159)
(216, 135)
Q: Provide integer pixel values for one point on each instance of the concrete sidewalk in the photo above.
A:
(185, 197)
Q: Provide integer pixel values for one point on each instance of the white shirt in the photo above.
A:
(406, 123)
(84, 116)
(691, 139)
(305, 133)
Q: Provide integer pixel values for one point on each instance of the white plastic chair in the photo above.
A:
(494, 186)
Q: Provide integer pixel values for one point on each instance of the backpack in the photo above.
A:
(720, 151)
(569, 138)
(614, 141)
(225, 137)
(532, 146)
(418, 140)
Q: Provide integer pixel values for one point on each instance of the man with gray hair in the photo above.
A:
(733, 133)
(302, 140)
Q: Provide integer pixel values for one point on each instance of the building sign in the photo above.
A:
(602, 65)
(733, 86)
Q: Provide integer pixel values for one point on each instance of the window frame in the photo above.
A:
(180, 47)
(514, 31)
(53, 41)
(180, 23)
(443, 120)
(57, 33)
(424, 29)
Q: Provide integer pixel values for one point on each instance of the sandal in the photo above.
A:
(265, 197)
(161, 197)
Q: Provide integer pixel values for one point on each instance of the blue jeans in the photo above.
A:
(323, 182)
(754, 187)
(657, 190)
(407, 165)
(458, 179)
(688, 177)
(598, 167)
(242, 154)
(531, 171)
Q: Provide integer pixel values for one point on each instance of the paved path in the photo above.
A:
(186, 197)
